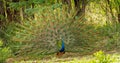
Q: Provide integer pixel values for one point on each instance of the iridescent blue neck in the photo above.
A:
(63, 46)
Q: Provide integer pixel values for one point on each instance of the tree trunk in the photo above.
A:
(5, 10)
(80, 11)
(119, 18)
(119, 15)
(68, 2)
(1, 13)
(77, 7)
(83, 7)
(77, 4)
(110, 8)
(21, 14)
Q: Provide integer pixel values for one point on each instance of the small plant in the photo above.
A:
(100, 57)
(5, 52)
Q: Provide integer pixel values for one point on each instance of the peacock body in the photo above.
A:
(61, 45)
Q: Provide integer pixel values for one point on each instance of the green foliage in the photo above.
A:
(111, 33)
(2, 17)
(1, 43)
(5, 52)
(29, 3)
(18, 5)
(101, 57)
(115, 5)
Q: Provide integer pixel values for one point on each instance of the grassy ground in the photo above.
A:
(66, 58)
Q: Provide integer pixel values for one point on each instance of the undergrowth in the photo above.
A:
(5, 52)
(97, 57)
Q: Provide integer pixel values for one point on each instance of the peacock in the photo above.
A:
(61, 47)
(52, 33)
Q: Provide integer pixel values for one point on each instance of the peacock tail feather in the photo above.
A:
(42, 36)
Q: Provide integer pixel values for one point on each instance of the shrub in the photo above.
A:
(100, 57)
(5, 52)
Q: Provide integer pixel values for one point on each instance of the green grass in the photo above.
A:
(98, 57)
(5, 52)
(87, 59)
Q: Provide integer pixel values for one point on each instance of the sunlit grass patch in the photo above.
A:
(98, 57)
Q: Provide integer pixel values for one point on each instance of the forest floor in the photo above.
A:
(77, 58)
(66, 58)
